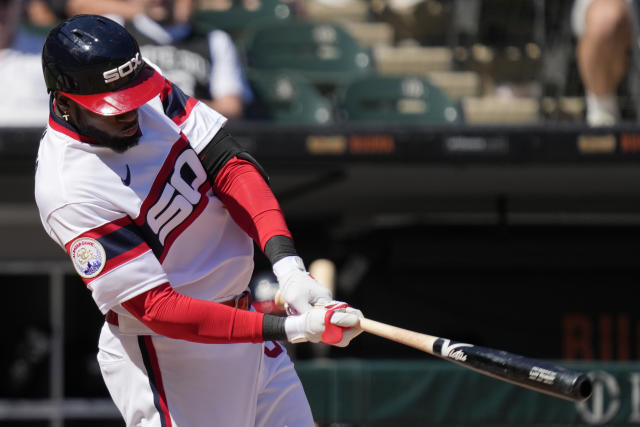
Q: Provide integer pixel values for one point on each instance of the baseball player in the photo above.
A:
(157, 206)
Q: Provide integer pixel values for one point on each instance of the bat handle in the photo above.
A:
(420, 341)
(279, 301)
(413, 339)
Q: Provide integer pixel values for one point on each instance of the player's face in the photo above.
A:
(119, 132)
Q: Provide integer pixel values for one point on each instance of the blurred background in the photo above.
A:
(470, 168)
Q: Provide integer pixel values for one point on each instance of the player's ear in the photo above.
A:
(63, 105)
(62, 101)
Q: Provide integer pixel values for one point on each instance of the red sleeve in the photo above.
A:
(250, 201)
(168, 313)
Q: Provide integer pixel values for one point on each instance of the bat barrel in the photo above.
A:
(530, 373)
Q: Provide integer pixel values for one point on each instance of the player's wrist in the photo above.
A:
(273, 328)
(279, 247)
(294, 327)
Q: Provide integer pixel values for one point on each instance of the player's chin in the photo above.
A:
(120, 145)
(117, 141)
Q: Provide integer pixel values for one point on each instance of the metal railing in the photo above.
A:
(55, 408)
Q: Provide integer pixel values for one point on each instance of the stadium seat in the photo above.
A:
(336, 11)
(285, 97)
(235, 16)
(412, 59)
(325, 54)
(397, 99)
(456, 84)
(494, 110)
(370, 34)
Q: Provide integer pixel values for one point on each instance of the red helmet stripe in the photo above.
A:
(145, 87)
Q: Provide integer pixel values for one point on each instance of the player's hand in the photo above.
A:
(322, 325)
(299, 290)
(350, 332)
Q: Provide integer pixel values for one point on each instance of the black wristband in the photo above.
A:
(273, 328)
(279, 247)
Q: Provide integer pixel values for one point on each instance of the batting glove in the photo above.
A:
(350, 332)
(320, 325)
(299, 290)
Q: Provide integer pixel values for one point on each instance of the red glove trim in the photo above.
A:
(336, 305)
(332, 333)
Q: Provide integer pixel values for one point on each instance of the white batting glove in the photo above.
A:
(299, 290)
(321, 325)
(350, 333)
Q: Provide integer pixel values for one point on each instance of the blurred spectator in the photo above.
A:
(603, 28)
(206, 67)
(40, 14)
(421, 22)
(17, 35)
(24, 101)
(37, 18)
(126, 9)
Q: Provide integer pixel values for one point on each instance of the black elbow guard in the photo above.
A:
(222, 148)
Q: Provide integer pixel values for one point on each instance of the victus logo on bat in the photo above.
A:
(452, 350)
(458, 355)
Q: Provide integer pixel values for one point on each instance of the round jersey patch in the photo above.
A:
(88, 257)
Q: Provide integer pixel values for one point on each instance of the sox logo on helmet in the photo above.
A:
(123, 70)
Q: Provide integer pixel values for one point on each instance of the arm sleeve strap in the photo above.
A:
(222, 148)
(169, 313)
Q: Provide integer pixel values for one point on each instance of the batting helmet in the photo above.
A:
(97, 63)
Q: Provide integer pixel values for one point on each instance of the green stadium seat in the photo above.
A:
(397, 99)
(237, 16)
(285, 97)
(325, 54)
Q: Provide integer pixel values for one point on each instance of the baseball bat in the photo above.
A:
(543, 377)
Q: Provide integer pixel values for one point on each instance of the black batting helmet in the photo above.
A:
(97, 63)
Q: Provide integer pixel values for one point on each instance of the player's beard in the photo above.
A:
(117, 144)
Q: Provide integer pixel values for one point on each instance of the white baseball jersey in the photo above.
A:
(132, 221)
(148, 216)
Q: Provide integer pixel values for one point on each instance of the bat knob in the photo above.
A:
(583, 387)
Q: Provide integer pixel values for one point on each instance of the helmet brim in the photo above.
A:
(145, 87)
